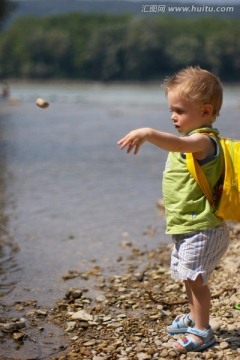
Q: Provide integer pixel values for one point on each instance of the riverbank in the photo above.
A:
(124, 317)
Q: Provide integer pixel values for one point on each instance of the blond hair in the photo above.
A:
(196, 84)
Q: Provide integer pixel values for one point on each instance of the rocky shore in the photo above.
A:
(125, 317)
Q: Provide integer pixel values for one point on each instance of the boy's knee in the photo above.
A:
(198, 282)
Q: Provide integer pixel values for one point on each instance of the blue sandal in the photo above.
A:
(188, 343)
(180, 325)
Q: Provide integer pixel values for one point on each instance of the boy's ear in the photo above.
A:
(207, 110)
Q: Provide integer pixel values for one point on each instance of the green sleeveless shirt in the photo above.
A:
(187, 208)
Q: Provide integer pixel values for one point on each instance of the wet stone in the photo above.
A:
(70, 326)
(13, 326)
(18, 336)
(73, 293)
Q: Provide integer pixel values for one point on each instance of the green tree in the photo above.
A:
(110, 47)
(50, 54)
(145, 44)
(223, 54)
(105, 53)
(185, 50)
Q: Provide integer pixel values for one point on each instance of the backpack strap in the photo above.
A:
(197, 172)
(199, 176)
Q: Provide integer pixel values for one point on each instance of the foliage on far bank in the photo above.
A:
(118, 47)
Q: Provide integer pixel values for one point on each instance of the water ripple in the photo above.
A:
(8, 266)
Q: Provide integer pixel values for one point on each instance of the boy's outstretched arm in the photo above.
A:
(197, 143)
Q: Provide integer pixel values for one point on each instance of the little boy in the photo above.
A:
(200, 237)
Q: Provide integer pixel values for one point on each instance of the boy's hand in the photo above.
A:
(134, 140)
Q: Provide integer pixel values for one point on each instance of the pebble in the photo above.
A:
(224, 345)
(41, 312)
(172, 354)
(143, 356)
(107, 318)
(90, 343)
(42, 103)
(73, 293)
(13, 326)
(74, 338)
(164, 353)
(82, 315)
(70, 326)
(18, 336)
(100, 298)
(231, 327)
(215, 324)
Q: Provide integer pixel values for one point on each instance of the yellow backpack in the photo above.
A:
(228, 207)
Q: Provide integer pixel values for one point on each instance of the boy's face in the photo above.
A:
(188, 116)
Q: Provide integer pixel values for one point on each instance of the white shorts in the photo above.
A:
(198, 253)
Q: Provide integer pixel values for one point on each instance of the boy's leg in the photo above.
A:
(190, 300)
(199, 301)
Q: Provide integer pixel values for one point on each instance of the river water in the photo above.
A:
(69, 196)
